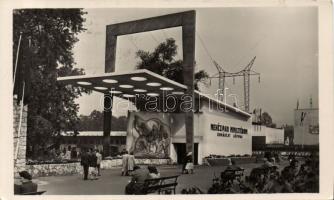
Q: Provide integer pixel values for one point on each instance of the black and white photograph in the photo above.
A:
(166, 101)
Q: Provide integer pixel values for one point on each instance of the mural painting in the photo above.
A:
(149, 135)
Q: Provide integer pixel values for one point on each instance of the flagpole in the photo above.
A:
(17, 58)
(20, 125)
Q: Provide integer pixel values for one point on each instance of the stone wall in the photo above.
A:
(144, 161)
(76, 168)
(54, 169)
(20, 140)
(109, 164)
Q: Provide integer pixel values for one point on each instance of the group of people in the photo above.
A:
(53, 153)
(296, 177)
(139, 175)
(128, 162)
(91, 163)
(70, 154)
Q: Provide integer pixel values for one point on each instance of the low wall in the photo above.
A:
(75, 168)
(228, 161)
(54, 169)
(108, 164)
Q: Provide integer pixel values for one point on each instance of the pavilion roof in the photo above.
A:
(127, 85)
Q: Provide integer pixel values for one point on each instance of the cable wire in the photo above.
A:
(154, 38)
(206, 50)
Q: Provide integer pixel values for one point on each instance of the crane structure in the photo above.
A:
(246, 73)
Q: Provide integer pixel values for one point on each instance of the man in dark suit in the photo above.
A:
(85, 160)
(92, 165)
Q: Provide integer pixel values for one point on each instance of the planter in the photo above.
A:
(219, 161)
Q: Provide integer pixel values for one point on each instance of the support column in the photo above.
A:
(188, 39)
(110, 57)
(188, 22)
(107, 115)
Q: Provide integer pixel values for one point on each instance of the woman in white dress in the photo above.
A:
(189, 164)
(125, 163)
(131, 162)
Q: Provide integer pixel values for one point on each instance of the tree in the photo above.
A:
(119, 124)
(48, 36)
(94, 122)
(267, 120)
(162, 61)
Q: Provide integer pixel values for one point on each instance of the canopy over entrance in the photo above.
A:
(128, 85)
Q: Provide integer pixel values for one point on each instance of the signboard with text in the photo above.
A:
(228, 131)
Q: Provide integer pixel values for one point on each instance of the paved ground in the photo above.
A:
(111, 182)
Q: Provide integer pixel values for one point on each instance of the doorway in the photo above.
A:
(181, 152)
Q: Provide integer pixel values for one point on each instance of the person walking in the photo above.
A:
(125, 156)
(189, 165)
(74, 153)
(98, 162)
(92, 165)
(85, 163)
(131, 162)
(68, 153)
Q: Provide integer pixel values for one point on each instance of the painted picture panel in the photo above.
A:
(149, 135)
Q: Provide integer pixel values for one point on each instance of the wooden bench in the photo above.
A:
(33, 193)
(163, 185)
(230, 174)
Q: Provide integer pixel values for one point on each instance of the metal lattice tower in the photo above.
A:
(246, 73)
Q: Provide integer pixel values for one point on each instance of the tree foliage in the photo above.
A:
(51, 35)
(162, 61)
(94, 122)
(267, 120)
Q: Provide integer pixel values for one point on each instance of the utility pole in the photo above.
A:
(245, 73)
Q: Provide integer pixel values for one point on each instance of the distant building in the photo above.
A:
(262, 135)
(306, 127)
(94, 139)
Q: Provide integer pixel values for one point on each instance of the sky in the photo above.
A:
(283, 39)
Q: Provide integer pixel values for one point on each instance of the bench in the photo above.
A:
(231, 173)
(163, 185)
(33, 193)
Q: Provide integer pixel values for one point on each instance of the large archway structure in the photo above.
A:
(186, 20)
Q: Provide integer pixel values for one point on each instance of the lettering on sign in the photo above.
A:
(230, 129)
(237, 136)
(223, 134)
